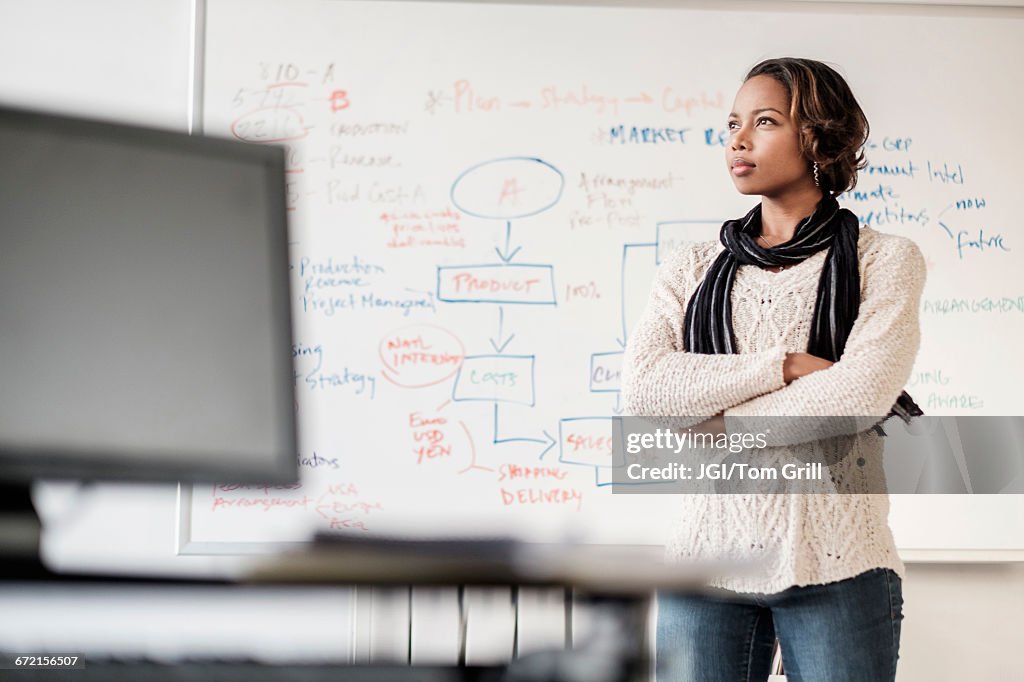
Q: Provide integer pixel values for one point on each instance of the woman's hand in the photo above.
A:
(713, 426)
(798, 365)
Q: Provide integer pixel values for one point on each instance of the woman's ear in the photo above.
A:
(809, 145)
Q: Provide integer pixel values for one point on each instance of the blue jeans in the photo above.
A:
(848, 631)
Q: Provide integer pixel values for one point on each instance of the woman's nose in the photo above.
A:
(739, 138)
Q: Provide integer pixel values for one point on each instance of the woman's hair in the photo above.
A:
(833, 128)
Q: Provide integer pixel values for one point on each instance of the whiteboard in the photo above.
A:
(480, 195)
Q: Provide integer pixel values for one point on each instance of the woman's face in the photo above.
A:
(763, 154)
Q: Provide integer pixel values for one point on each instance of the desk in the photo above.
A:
(616, 581)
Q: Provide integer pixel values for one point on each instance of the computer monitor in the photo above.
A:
(145, 321)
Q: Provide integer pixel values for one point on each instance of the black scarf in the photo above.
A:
(708, 324)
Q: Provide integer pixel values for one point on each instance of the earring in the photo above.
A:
(817, 183)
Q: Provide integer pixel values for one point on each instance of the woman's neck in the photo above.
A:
(781, 215)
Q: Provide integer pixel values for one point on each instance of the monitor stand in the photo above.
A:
(19, 532)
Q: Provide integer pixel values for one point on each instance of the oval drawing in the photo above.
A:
(507, 188)
(420, 355)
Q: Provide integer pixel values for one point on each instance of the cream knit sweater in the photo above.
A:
(806, 538)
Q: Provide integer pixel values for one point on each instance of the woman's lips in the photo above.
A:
(742, 169)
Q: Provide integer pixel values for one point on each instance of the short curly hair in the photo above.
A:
(833, 127)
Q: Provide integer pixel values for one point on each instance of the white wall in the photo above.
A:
(110, 58)
(129, 61)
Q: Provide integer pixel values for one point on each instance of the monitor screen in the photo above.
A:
(145, 325)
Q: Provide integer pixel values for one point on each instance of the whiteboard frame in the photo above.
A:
(185, 545)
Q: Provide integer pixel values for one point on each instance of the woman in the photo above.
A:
(803, 313)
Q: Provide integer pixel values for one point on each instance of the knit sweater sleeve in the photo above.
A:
(659, 378)
(880, 350)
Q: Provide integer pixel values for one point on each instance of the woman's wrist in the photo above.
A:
(798, 365)
(788, 368)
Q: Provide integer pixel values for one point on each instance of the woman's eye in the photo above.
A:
(733, 125)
